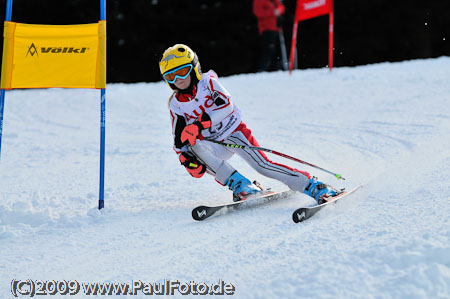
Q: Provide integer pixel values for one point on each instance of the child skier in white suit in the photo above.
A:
(201, 109)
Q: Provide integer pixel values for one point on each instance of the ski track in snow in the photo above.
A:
(386, 126)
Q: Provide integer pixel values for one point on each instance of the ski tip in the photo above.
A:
(199, 213)
(298, 216)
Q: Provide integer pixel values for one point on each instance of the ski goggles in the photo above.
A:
(181, 72)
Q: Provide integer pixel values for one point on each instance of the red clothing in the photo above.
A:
(264, 10)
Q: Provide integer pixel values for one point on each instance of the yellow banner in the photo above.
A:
(42, 56)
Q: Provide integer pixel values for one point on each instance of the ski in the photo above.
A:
(305, 213)
(202, 212)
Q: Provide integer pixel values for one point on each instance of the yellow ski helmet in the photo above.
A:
(177, 56)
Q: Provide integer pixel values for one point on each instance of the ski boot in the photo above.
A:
(240, 186)
(319, 191)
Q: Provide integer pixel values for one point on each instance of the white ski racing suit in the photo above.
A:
(210, 97)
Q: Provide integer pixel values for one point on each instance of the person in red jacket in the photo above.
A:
(269, 13)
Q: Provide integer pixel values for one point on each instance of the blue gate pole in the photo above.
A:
(9, 4)
(101, 196)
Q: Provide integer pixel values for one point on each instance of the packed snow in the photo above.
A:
(385, 126)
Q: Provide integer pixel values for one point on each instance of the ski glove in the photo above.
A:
(193, 131)
(192, 164)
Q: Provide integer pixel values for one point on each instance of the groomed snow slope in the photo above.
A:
(386, 126)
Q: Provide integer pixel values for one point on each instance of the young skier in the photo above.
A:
(201, 109)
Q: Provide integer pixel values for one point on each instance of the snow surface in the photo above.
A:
(386, 126)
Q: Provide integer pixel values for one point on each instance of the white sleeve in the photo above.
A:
(222, 100)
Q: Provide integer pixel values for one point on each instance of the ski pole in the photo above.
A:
(283, 50)
(338, 176)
